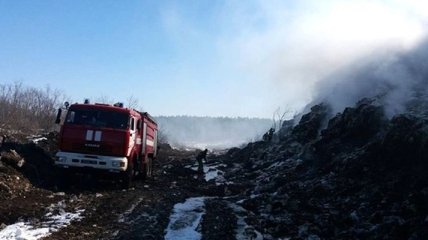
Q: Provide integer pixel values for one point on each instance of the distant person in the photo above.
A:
(201, 156)
(268, 135)
(3, 140)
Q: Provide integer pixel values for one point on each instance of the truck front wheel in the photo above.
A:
(127, 176)
(65, 177)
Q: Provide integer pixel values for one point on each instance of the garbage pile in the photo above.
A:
(355, 175)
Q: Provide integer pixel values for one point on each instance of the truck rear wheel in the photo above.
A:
(148, 168)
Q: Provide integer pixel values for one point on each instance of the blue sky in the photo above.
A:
(215, 58)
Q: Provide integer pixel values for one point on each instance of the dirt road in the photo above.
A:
(144, 211)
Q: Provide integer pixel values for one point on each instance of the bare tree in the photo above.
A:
(104, 99)
(132, 102)
(28, 109)
(278, 118)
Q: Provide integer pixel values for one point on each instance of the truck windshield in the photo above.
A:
(97, 118)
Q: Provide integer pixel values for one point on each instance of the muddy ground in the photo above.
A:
(110, 212)
(362, 177)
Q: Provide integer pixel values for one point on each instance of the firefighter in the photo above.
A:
(268, 135)
(201, 156)
(3, 140)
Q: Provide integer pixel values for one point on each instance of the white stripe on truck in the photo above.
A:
(89, 135)
(98, 136)
(150, 143)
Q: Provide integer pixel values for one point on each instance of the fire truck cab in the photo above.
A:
(107, 138)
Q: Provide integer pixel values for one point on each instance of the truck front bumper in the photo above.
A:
(108, 163)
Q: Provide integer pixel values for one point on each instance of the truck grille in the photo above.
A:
(86, 161)
(89, 161)
(102, 150)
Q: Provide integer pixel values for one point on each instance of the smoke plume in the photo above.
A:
(210, 132)
(330, 50)
(396, 79)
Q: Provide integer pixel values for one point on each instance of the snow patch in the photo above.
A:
(37, 138)
(29, 231)
(23, 230)
(185, 219)
(212, 173)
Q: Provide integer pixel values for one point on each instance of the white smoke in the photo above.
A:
(210, 132)
(302, 51)
(398, 80)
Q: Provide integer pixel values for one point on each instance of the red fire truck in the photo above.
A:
(107, 138)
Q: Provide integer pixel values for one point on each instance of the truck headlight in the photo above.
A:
(61, 159)
(118, 164)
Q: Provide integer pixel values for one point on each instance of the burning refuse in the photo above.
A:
(397, 80)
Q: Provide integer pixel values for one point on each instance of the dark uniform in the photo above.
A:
(268, 135)
(3, 140)
(201, 156)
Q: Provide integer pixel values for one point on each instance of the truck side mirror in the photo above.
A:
(58, 116)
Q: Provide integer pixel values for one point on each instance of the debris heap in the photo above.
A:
(356, 175)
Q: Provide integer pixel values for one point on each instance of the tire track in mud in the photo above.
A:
(141, 211)
(150, 217)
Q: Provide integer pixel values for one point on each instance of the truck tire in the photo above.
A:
(64, 179)
(128, 176)
(148, 168)
(138, 169)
